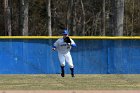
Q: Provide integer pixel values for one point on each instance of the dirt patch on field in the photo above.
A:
(70, 91)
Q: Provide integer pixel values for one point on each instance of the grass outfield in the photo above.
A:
(80, 82)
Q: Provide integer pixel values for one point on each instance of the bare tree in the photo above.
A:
(69, 7)
(133, 8)
(7, 17)
(120, 17)
(49, 18)
(103, 18)
(23, 17)
(117, 17)
(83, 17)
(71, 15)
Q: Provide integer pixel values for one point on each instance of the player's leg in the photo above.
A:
(62, 71)
(72, 71)
(62, 63)
(70, 63)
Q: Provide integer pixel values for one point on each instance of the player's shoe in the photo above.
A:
(62, 75)
(72, 75)
(72, 72)
(63, 72)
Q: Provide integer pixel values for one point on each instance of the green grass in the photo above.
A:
(80, 82)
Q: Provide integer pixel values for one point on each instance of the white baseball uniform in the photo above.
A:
(64, 52)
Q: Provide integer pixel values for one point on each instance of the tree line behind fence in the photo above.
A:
(81, 17)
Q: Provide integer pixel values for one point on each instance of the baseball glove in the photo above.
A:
(67, 40)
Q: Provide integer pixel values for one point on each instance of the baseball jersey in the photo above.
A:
(62, 47)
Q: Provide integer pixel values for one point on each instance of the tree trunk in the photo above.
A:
(120, 17)
(83, 17)
(117, 17)
(23, 17)
(7, 17)
(103, 18)
(133, 9)
(69, 7)
(49, 18)
(71, 14)
(74, 18)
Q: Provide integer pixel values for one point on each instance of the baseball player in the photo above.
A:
(63, 46)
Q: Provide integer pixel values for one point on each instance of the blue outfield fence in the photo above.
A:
(91, 56)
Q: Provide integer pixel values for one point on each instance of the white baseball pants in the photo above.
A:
(65, 58)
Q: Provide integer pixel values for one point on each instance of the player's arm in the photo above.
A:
(73, 43)
(54, 48)
(55, 45)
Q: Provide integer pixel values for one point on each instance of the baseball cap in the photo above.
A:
(65, 32)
